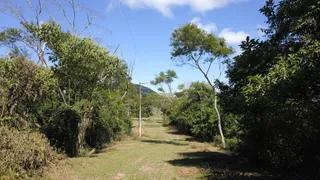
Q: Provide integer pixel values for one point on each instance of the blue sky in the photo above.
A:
(143, 29)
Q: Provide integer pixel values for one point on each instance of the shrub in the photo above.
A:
(62, 130)
(24, 87)
(233, 144)
(109, 121)
(105, 120)
(193, 112)
(23, 154)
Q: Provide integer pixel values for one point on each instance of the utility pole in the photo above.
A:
(140, 122)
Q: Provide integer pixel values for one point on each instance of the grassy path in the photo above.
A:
(160, 154)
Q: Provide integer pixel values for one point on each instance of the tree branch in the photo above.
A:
(65, 15)
(196, 61)
(130, 72)
(209, 67)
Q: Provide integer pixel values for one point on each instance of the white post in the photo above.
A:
(140, 122)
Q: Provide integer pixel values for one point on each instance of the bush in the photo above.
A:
(23, 154)
(109, 121)
(63, 130)
(233, 144)
(24, 87)
(87, 124)
(193, 112)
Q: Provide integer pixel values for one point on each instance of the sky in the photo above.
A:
(142, 30)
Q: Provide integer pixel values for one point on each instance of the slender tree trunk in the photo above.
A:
(124, 95)
(219, 118)
(196, 62)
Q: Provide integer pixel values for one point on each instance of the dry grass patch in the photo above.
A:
(119, 176)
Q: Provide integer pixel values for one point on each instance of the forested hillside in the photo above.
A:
(144, 90)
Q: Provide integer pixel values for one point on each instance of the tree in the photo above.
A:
(191, 112)
(84, 69)
(274, 88)
(194, 47)
(23, 38)
(76, 100)
(165, 78)
(81, 65)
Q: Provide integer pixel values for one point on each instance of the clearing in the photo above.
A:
(161, 153)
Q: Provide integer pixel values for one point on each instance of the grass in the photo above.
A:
(159, 154)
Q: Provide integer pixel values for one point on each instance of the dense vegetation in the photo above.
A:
(270, 105)
(274, 87)
(71, 93)
(80, 100)
(192, 113)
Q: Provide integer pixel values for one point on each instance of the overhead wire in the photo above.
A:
(130, 30)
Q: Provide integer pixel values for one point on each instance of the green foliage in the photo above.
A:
(62, 129)
(24, 87)
(109, 120)
(194, 47)
(191, 41)
(80, 65)
(131, 101)
(77, 103)
(23, 153)
(89, 77)
(165, 78)
(274, 89)
(192, 113)
(10, 36)
(166, 99)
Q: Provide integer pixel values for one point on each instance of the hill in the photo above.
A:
(144, 90)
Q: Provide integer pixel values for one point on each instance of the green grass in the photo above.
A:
(159, 154)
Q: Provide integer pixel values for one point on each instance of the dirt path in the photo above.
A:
(160, 154)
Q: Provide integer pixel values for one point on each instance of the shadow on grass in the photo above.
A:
(175, 132)
(177, 143)
(103, 150)
(151, 125)
(219, 166)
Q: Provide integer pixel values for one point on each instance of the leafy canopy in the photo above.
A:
(193, 43)
(165, 78)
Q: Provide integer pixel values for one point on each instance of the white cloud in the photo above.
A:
(165, 6)
(209, 28)
(233, 37)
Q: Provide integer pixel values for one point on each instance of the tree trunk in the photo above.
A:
(219, 118)
(83, 126)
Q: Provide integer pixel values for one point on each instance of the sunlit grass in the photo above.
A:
(159, 154)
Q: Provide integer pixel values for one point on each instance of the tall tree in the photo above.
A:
(194, 47)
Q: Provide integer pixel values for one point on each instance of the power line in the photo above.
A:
(129, 27)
